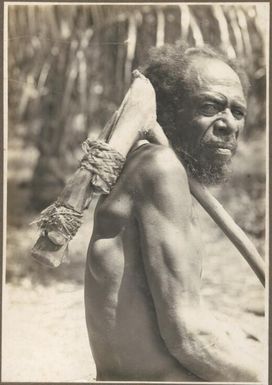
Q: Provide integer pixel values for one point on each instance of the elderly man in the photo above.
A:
(145, 317)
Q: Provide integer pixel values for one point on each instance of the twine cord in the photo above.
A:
(104, 163)
(60, 217)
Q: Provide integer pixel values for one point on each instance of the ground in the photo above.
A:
(44, 332)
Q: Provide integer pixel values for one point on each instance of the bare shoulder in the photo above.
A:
(153, 161)
(158, 171)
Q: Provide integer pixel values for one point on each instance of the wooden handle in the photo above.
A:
(230, 228)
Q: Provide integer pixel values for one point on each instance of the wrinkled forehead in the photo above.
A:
(210, 73)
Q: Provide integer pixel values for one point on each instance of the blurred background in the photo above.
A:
(69, 67)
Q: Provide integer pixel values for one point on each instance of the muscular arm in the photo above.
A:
(171, 253)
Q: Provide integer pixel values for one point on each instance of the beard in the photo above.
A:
(209, 174)
(202, 158)
(204, 166)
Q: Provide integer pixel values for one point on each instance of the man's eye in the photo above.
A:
(238, 114)
(209, 109)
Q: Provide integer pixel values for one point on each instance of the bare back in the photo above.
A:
(120, 312)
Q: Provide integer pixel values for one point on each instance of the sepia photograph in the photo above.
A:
(135, 192)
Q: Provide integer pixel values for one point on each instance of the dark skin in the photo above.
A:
(218, 112)
(211, 112)
(145, 317)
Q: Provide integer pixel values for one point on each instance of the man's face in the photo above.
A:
(216, 116)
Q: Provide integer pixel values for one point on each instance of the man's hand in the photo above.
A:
(137, 117)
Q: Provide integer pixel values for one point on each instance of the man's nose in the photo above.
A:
(225, 125)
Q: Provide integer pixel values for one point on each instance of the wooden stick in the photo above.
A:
(230, 228)
(77, 188)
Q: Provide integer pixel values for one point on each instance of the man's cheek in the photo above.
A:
(201, 126)
(240, 128)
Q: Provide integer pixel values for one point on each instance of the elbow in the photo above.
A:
(181, 335)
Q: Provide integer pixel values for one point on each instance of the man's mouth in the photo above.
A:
(222, 151)
(228, 146)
